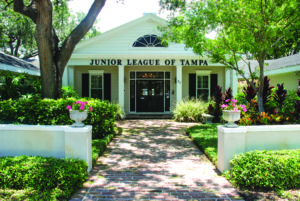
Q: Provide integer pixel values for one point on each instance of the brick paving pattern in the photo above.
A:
(155, 160)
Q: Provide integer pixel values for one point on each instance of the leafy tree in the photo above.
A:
(54, 53)
(17, 34)
(246, 30)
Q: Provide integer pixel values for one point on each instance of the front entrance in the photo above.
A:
(150, 96)
(149, 92)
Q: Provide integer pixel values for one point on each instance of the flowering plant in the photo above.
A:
(81, 106)
(232, 105)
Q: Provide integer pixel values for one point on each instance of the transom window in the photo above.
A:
(149, 41)
(96, 84)
(203, 85)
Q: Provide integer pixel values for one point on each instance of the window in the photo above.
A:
(96, 83)
(203, 85)
(149, 41)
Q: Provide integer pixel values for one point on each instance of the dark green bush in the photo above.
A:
(56, 177)
(98, 147)
(270, 170)
(37, 111)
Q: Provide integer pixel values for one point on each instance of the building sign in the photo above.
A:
(147, 62)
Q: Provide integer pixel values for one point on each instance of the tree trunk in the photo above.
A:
(52, 58)
(261, 86)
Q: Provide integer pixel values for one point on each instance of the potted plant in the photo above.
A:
(232, 112)
(78, 112)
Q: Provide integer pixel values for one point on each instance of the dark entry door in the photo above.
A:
(150, 96)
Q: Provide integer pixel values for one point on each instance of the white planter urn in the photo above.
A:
(78, 117)
(231, 116)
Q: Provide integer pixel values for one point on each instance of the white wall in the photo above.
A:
(55, 141)
(232, 141)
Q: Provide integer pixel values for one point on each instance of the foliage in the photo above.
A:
(98, 147)
(54, 50)
(206, 137)
(280, 95)
(189, 111)
(17, 38)
(55, 178)
(15, 86)
(245, 30)
(218, 100)
(69, 92)
(271, 170)
(38, 111)
(228, 95)
(266, 90)
(249, 93)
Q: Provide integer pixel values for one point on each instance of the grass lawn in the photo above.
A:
(206, 137)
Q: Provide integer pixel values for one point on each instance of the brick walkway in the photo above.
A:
(155, 160)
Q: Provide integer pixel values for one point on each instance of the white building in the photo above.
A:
(129, 65)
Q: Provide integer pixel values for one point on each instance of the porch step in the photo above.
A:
(149, 116)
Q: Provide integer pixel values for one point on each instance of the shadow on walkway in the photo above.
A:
(155, 160)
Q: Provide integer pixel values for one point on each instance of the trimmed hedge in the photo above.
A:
(270, 170)
(37, 111)
(98, 147)
(56, 178)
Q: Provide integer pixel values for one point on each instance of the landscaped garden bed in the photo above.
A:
(255, 174)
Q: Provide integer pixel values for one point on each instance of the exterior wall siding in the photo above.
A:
(78, 70)
(186, 70)
(290, 80)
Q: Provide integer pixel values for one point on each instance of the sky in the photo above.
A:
(114, 14)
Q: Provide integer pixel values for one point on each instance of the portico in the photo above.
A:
(129, 66)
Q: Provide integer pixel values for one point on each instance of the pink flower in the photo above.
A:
(234, 100)
(227, 100)
(243, 106)
(78, 102)
(233, 104)
(91, 109)
(81, 107)
(224, 106)
(245, 110)
(235, 109)
(69, 107)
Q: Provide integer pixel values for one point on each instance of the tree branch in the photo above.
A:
(29, 11)
(78, 33)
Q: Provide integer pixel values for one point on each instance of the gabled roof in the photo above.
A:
(146, 17)
(14, 64)
(275, 66)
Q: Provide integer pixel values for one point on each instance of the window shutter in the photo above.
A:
(107, 86)
(213, 84)
(85, 85)
(192, 85)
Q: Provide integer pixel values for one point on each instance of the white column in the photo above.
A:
(71, 76)
(121, 87)
(65, 77)
(227, 78)
(234, 82)
(178, 84)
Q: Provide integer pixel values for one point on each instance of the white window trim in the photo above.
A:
(203, 73)
(96, 72)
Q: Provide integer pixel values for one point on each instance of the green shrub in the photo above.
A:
(98, 147)
(68, 92)
(270, 170)
(190, 111)
(56, 177)
(206, 137)
(37, 111)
